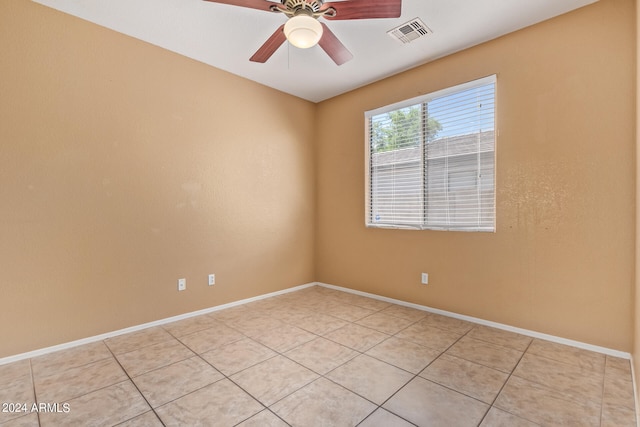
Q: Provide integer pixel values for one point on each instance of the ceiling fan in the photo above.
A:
(303, 29)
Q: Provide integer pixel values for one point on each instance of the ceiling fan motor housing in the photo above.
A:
(296, 7)
(312, 8)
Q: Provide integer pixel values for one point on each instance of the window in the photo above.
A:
(431, 160)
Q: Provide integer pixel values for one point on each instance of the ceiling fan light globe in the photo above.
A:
(303, 31)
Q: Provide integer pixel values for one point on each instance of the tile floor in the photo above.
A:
(319, 357)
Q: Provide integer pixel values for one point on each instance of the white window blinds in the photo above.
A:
(431, 160)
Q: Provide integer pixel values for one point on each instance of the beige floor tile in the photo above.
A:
(308, 306)
(148, 419)
(365, 302)
(498, 418)
(13, 371)
(255, 324)
(326, 291)
(500, 337)
(176, 380)
(136, 340)
(274, 379)
(356, 301)
(472, 379)
(385, 323)
(265, 418)
(284, 338)
(69, 358)
(263, 306)
(230, 315)
(237, 356)
(617, 370)
(323, 403)
(370, 378)
(222, 401)
(618, 363)
(348, 312)
(429, 336)
(545, 406)
(320, 305)
(356, 337)
(447, 323)
(208, 339)
(321, 355)
(404, 354)
(320, 324)
(290, 315)
(384, 418)
(303, 301)
(425, 403)
(405, 312)
(20, 392)
(298, 298)
(190, 325)
(567, 354)
(74, 382)
(105, 407)
(155, 356)
(617, 416)
(574, 382)
(259, 309)
(494, 356)
(618, 392)
(291, 297)
(29, 420)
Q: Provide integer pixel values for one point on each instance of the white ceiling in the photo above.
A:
(226, 36)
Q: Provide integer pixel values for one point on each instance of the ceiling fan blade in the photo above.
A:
(334, 48)
(270, 46)
(253, 4)
(364, 9)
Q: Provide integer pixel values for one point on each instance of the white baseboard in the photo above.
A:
(476, 320)
(101, 337)
(529, 333)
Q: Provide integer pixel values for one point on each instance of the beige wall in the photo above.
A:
(562, 259)
(124, 167)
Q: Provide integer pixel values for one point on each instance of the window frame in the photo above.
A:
(422, 99)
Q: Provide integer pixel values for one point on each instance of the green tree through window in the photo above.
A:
(401, 129)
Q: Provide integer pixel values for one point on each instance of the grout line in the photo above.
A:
(33, 385)
(440, 355)
(380, 408)
(417, 375)
(323, 376)
(228, 377)
(571, 398)
(136, 386)
(505, 384)
(81, 366)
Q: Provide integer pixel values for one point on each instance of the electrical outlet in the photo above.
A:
(212, 279)
(425, 278)
(182, 284)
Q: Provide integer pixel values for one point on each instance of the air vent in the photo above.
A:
(410, 31)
